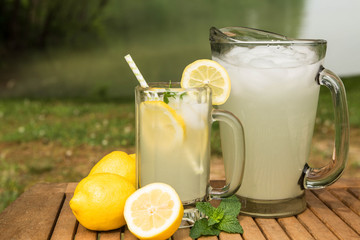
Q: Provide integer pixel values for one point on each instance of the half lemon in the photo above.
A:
(154, 211)
(208, 72)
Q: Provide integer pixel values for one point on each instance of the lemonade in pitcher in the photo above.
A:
(277, 106)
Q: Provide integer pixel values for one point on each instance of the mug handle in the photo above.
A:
(324, 176)
(238, 157)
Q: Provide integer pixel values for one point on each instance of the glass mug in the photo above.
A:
(275, 88)
(173, 142)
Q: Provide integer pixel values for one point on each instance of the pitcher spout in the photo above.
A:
(217, 36)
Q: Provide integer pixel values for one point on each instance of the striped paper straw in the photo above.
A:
(139, 77)
(136, 71)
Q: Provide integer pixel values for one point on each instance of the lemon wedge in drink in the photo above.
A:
(207, 72)
(154, 211)
(161, 124)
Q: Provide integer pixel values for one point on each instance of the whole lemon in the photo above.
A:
(117, 162)
(99, 200)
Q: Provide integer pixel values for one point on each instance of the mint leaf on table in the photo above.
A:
(205, 207)
(231, 206)
(201, 228)
(216, 213)
(230, 224)
(217, 216)
(223, 218)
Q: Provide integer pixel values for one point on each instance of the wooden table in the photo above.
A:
(43, 212)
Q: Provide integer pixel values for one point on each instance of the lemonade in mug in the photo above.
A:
(173, 126)
(177, 132)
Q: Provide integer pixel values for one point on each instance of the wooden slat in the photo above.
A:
(182, 234)
(271, 229)
(345, 183)
(294, 229)
(355, 192)
(84, 234)
(66, 224)
(128, 235)
(229, 236)
(348, 199)
(346, 214)
(111, 235)
(314, 226)
(208, 238)
(331, 220)
(33, 215)
(251, 230)
(70, 188)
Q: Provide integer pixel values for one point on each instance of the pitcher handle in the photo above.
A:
(328, 174)
(238, 157)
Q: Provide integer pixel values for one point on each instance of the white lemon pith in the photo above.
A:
(117, 162)
(154, 211)
(99, 200)
(161, 124)
(208, 72)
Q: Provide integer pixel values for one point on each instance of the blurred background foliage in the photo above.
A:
(64, 48)
(28, 24)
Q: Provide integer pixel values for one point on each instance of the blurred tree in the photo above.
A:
(36, 23)
(81, 40)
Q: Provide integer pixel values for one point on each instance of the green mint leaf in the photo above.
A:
(182, 95)
(230, 224)
(223, 218)
(166, 99)
(205, 207)
(216, 216)
(230, 206)
(202, 228)
(168, 94)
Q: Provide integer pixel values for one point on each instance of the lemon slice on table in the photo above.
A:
(161, 124)
(154, 212)
(207, 72)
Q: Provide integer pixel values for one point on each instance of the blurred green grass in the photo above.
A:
(69, 122)
(95, 124)
(325, 109)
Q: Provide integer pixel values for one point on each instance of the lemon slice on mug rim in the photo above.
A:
(208, 72)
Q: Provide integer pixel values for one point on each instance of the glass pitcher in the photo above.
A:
(275, 84)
